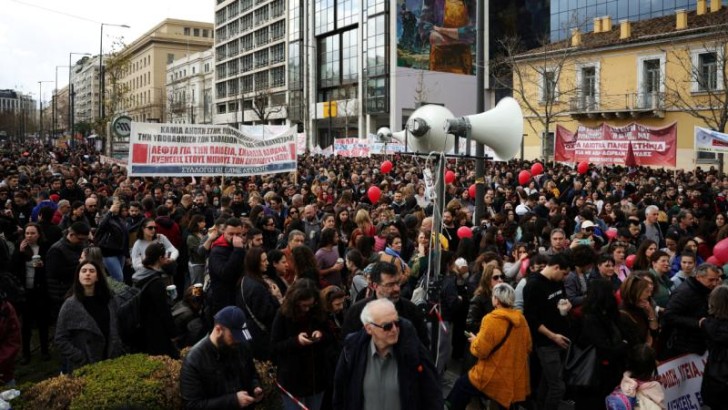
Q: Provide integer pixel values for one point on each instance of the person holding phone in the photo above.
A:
(300, 338)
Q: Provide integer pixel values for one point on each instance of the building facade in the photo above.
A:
(656, 72)
(568, 14)
(18, 113)
(250, 62)
(140, 91)
(190, 84)
(85, 80)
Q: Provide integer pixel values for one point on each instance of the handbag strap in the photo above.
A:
(500, 344)
(247, 309)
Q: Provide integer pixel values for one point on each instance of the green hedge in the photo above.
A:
(132, 381)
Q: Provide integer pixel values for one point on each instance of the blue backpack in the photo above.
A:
(617, 400)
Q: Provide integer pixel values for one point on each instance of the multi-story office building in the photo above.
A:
(250, 62)
(140, 90)
(85, 80)
(18, 113)
(15, 101)
(568, 14)
(189, 89)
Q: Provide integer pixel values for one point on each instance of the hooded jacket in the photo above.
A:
(680, 321)
(157, 322)
(502, 375)
(60, 263)
(169, 228)
(715, 381)
(225, 266)
(650, 395)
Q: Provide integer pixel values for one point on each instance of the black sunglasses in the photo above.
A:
(387, 326)
(497, 277)
(151, 228)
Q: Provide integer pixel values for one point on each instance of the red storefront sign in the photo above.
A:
(633, 144)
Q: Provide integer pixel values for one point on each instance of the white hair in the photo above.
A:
(504, 294)
(366, 313)
(651, 208)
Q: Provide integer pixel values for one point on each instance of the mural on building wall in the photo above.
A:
(437, 35)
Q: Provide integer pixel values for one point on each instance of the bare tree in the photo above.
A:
(116, 66)
(699, 83)
(542, 79)
(264, 105)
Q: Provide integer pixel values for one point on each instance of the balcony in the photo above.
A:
(611, 106)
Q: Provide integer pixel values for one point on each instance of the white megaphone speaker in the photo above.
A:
(384, 134)
(426, 130)
(500, 128)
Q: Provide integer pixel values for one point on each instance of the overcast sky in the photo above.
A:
(37, 35)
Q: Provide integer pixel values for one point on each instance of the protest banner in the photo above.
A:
(707, 140)
(211, 150)
(610, 145)
(263, 132)
(351, 147)
(301, 143)
(681, 378)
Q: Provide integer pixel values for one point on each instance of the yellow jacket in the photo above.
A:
(502, 376)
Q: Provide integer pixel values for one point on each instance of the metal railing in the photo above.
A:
(640, 101)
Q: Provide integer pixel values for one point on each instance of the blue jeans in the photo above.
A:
(115, 266)
(551, 389)
(312, 402)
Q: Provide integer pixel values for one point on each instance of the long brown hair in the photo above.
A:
(485, 288)
(302, 289)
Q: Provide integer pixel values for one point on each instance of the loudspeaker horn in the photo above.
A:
(426, 131)
(384, 134)
(500, 128)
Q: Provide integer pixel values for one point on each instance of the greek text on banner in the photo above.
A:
(198, 150)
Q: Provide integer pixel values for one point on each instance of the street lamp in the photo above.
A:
(40, 106)
(102, 88)
(55, 100)
(70, 90)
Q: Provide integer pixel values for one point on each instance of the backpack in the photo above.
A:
(130, 313)
(617, 400)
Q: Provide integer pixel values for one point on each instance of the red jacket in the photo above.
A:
(9, 342)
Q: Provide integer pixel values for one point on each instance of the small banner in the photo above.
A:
(186, 150)
(710, 141)
(611, 145)
(351, 147)
(681, 378)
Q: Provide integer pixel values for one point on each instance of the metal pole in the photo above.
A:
(70, 92)
(40, 109)
(480, 107)
(101, 73)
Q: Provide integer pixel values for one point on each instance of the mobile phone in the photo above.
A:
(468, 334)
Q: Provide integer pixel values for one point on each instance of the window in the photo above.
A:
(170, 58)
(375, 50)
(277, 8)
(278, 30)
(377, 95)
(261, 15)
(329, 75)
(232, 87)
(549, 91)
(294, 66)
(261, 36)
(376, 6)
(246, 63)
(294, 20)
(588, 91)
(246, 42)
(246, 84)
(324, 10)
(205, 32)
(246, 22)
(650, 82)
(246, 5)
(261, 80)
(349, 57)
(261, 58)
(232, 67)
(207, 67)
(707, 71)
(277, 53)
(346, 12)
(221, 92)
(187, 31)
(196, 32)
(193, 70)
(278, 76)
(221, 70)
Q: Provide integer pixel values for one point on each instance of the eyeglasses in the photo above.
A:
(589, 229)
(270, 224)
(151, 228)
(387, 326)
(497, 277)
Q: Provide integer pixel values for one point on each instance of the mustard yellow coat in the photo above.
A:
(504, 375)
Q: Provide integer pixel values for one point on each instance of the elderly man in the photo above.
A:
(90, 209)
(295, 238)
(686, 311)
(384, 366)
(650, 228)
(218, 372)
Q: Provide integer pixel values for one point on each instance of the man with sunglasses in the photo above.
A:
(386, 284)
(384, 366)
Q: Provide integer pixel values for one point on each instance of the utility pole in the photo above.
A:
(480, 107)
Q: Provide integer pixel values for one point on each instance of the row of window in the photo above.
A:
(196, 32)
(261, 58)
(249, 20)
(260, 37)
(261, 80)
(335, 14)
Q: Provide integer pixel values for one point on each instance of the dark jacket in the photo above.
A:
(169, 228)
(10, 342)
(715, 381)
(480, 306)
(264, 306)
(686, 307)
(40, 283)
(605, 335)
(405, 309)
(111, 236)
(157, 323)
(302, 370)
(79, 339)
(61, 262)
(210, 380)
(225, 266)
(419, 386)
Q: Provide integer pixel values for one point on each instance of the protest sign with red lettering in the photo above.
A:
(681, 378)
(351, 147)
(610, 145)
(191, 149)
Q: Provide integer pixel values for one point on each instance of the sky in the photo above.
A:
(37, 35)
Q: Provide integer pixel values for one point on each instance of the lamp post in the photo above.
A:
(40, 107)
(55, 100)
(102, 88)
(70, 90)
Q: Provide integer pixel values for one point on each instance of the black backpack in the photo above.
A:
(130, 313)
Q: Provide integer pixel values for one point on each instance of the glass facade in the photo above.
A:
(567, 14)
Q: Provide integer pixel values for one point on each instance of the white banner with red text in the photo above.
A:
(681, 378)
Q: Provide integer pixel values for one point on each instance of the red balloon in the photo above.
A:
(374, 193)
(523, 177)
(536, 169)
(720, 251)
(471, 191)
(386, 167)
(449, 177)
(583, 167)
(611, 233)
(712, 259)
(630, 261)
(465, 232)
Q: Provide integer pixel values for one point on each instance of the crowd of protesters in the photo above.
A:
(305, 270)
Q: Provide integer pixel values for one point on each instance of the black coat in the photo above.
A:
(158, 328)
(302, 370)
(688, 304)
(225, 265)
(264, 306)
(405, 309)
(61, 261)
(715, 378)
(210, 380)
(419, 387)
(111, 235)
